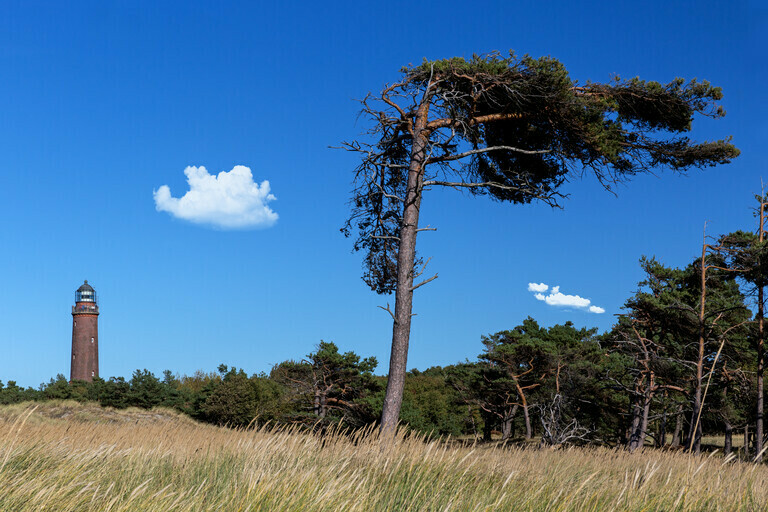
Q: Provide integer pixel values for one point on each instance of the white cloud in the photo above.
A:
(557, 299)
(560, 299)
(231, 200)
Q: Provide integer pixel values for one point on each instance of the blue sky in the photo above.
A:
(103, 103)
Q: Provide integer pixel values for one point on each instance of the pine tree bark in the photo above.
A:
(644, 422)
(401, 329)
(507, 423)
(746, 441)
(506, 429)
(694, 434)
(678, 427)
(661, 437)
(760, 355)
(524, 400)
(728, 444)
(640, 424)
(634, 429)
(528, 429)
(760, 373)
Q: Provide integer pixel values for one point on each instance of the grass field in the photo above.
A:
(67, 456)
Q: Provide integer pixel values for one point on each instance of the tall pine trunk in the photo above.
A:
(694, 433)
(760, 354)
(678, 427)
(401, 328)
(760, 372)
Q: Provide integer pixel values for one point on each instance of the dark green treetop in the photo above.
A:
(516, 129)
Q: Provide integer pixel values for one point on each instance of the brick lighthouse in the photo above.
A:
(85, 335)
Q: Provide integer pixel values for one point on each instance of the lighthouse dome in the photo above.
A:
(85, 287)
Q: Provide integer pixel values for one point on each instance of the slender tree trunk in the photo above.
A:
(323, 404)
(528, 429)
(760, 371)
(693, 439)
(746, 441)
(760, 354)
(634, 429)
(640, 423)
(507, 423)
(647, 397)
(629, 429)
(728, 444)
(401, 329)
(521, 392)
(678, 426)
(661, 437)
(317, 402)
(506, 428)
(694, 435)
(644, 422)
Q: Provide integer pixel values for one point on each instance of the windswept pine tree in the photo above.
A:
(514, 129)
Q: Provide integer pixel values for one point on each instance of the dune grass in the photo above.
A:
(89, 459)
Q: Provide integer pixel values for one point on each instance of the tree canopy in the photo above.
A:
(516, 129)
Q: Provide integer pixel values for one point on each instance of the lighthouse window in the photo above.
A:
(93, 374)
(91, 340)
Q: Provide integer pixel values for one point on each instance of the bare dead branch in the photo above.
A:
(388, 311)
(459, 156)
(424, 282)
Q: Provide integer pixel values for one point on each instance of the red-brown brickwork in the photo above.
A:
(85, 342)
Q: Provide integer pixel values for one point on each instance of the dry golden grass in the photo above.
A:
(87, 460)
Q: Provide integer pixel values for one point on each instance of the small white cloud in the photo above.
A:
(557, 299)
(230, 200)
(560, 299)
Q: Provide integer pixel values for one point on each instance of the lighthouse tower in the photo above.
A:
(85, 335)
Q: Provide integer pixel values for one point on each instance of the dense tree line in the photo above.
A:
(682, 361)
